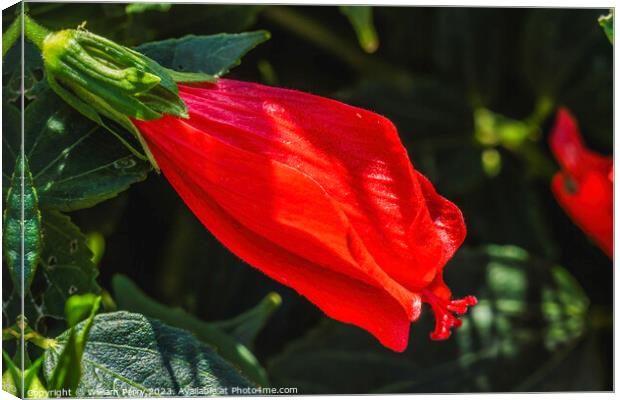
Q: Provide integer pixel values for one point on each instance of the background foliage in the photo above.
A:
(472, 92)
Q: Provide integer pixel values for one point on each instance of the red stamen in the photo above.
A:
(444, 320)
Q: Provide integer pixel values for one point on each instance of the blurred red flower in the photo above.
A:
(584, 186)
(318, 195)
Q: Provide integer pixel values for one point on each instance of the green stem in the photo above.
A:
(10, 36)
(34, 32)
(331, 42)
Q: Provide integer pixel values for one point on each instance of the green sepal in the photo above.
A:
(191, 77)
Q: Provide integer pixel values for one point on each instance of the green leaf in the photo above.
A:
(129, 355)
(65, 264)
(213, 54)
(138, 8)
(34, 82)
(129, 297)
(528, 310)
(246, 326)
(607, 23)
(360, 18)
(22, 228)
(68, 370)
(78, 307)
(75, 163)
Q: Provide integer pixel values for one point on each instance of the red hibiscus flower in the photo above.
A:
(584, 187)
(318, 195)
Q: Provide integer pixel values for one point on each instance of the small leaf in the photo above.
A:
(129, 355)
(360, 18)
(607, 23)
(22, 228)
(130, 297)
(214, 54)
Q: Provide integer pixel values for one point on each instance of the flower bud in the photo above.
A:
(114, 80)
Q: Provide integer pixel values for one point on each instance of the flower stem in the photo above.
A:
(34, 32)
(10, 36)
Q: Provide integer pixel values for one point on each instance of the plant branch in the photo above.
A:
(34, 32)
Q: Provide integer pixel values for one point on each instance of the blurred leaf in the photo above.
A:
(245, 327)
(215, 54)
(78, 307)
(607, 23)
(360, 18)
(137, 8)
(130, 355)
(129, 297)
(75, 163)
(67, 371)
(507, 331)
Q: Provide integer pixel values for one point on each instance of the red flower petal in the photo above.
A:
(585, 186)
(319, 195)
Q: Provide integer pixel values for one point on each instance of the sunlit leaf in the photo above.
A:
(130, 355)
(214, 54)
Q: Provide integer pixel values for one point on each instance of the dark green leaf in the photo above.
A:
(22, 228)
(130, 297)
(65, 263)
(128, 355)
(74, 162)
(360, 18)
(214, 54)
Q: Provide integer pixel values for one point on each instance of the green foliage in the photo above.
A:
(519, 296)
(130, 355)
(67, 173)
(66, 374)
(472, 93)
(360, 18)
(22, 228)
(13, 377)
(214, 54)
(129, 297)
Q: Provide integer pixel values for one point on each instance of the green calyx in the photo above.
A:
(101, 78)
(127, 81)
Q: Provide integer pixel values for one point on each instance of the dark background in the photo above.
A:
(433, 72)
